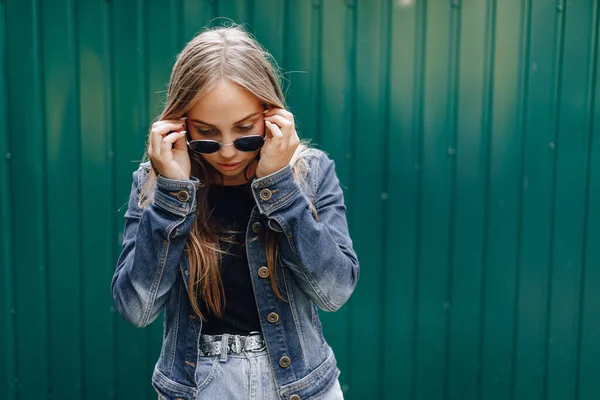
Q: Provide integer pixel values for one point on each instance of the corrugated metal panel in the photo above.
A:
(463, 133)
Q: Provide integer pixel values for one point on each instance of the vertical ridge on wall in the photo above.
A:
(158, 52)
(232, 10)
(144, 122)
(34, 339)
(7, 301)
(435, 204)
(109, 131)
(176, 11)
(537, 202)
(335, 58)
(487, 127)
(298, 62)
(97, 236)
(62, 175)
(367, 138)
(270, 30)
(503, 205)
(588, 374)
(402, 180)
(74, 43)
(453, 105)
(471, 139)
(196, 14)
(418, 126)
(314, 114)
(348, 153)
(385, 32)
(592, 89)
(524, 82)
(553, 143)
(572, 150)
(130, 133)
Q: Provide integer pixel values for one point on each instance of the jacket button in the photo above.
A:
(284, 362)
(265, 194)
(182, 195)
(272, 317)
(257, 227)
(263, 272)
(294, 397)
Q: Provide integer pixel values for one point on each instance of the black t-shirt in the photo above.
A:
(232, 206)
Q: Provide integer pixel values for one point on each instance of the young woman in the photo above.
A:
(238, 231)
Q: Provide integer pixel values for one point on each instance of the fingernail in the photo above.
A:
(183, 118)
(183, 132)
(266, 111)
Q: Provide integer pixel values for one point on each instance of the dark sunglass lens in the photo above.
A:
(204, 146)
(249, 143)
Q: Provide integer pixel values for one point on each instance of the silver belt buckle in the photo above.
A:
(255, 337)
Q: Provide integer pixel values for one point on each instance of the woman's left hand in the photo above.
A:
(281, 142)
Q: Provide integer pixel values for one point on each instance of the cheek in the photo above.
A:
(249, 157)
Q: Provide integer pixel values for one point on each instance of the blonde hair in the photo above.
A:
(212, 55)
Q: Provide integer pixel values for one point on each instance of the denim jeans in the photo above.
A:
(243, 376)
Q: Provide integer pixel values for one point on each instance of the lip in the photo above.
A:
(230, 166)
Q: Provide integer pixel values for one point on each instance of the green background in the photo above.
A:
(466, 136)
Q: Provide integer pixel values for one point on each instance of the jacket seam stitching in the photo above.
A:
(294, 315)
(159, 274)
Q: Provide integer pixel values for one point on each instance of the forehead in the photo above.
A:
(225, 104)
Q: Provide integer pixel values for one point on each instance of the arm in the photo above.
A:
(153, 240)
(326, 267)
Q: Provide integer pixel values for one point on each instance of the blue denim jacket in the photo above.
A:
(318, 268)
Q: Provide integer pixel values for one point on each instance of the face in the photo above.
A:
(224, 114)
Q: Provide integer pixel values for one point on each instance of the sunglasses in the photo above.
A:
(244, 143)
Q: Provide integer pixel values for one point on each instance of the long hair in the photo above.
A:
(214, 54)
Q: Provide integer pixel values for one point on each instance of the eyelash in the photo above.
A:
(207, 132)
(246, 128)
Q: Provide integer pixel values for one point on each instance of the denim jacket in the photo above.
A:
(317, 267)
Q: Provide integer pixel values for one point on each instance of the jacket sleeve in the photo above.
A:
(153, 241)
(326, 267)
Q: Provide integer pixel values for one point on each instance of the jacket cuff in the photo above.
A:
(176, 196)
(276, 191)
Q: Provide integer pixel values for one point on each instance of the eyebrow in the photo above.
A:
(197, 121)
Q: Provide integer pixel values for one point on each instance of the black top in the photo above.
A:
(232, 206)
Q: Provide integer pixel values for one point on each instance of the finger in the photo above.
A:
(167, 127)
(280, 121)
(277, 140)
(169, 121)
(180, 143)
(280, 111)
(155, 141)
(170, 139)
(274, 129)
(263, 150)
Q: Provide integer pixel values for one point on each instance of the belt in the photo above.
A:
(212, 345)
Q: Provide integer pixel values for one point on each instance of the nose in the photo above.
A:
(228, 150)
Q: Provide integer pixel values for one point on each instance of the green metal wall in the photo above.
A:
(465, 134)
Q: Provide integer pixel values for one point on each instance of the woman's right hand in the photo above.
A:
(168, 151)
